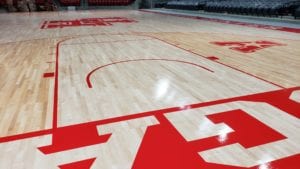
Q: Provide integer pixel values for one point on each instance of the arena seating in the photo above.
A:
(9, 7)
(2, 2)
(248, 7)
(40, 2)
(160, 4)
(110, 2)
(252, 7)
(52, 5)
(297, 12)
(70, 2)
(186, 4)
(46, 5)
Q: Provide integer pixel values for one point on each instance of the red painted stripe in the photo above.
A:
(49, 74)
(55, 95)
(212, 58)
(73, 136)
(44, 24)
(88, 81)
(55, 99)
(253, 25)
(25, 135)
(115, 41)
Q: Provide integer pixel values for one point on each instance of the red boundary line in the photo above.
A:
(115, 41)
(55, 99)
(253, 25)
(25, 135)
(48, 74)
(114, 119)
(88, 81)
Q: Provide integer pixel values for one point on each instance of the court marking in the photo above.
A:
(134, 33)
(157, 116)
(113, 41)
(71, 129)
(55, 102)
(88, 80)
(226, 65)
(278, 99)
(44, 24)
(272, 98)
(48, 74)
(26, 135)
(248, 46)
(286, 91)
(224, 21)
(106, 21)
(55, 96)
(212, 57)
(190, 51)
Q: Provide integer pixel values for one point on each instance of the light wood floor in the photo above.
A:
(106, 72)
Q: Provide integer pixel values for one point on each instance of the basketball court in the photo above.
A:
(121, 89)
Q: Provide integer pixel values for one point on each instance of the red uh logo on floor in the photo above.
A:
(259, 131)
(248, 47)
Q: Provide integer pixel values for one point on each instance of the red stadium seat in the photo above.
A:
(40, 2)
(110, 2)
(70, 2)
(2, 2)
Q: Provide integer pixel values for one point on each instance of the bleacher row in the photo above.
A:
(110, 2)
(184, 4)
(97, 2)
(2, 2)
(248, 7)
(15, 2)
(77, 2)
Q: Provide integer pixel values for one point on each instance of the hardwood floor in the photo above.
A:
(275, 64)
(98, 88)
